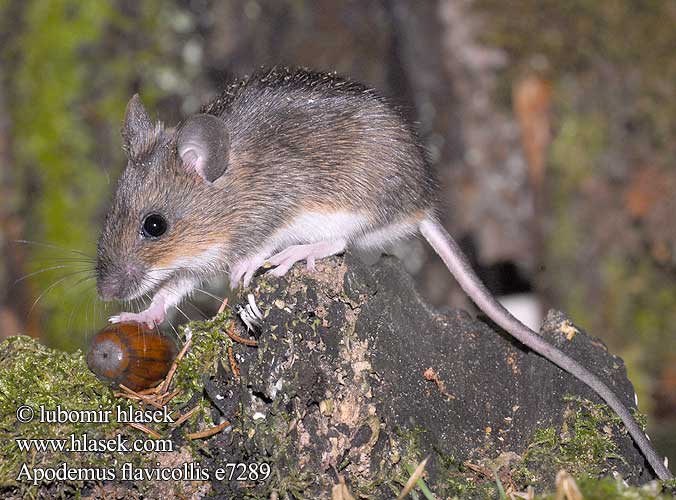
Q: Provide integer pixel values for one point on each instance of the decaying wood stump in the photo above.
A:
(356, 376)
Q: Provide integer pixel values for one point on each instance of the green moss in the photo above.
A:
(609, 488)
(453, 479)
(209, 348)
(33, 375)
(459, 486)
(583, 447)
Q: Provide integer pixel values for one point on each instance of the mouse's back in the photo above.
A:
(321, 140)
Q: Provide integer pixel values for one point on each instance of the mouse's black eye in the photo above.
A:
(154, 226)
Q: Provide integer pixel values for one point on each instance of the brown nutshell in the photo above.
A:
(132, 355)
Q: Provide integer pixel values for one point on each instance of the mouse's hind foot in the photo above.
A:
(284, 260)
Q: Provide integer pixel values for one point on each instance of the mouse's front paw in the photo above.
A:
(151, 317)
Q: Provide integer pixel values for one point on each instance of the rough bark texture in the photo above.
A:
(355, 373)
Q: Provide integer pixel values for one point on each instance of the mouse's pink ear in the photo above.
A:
(138, 131)
(203, 145)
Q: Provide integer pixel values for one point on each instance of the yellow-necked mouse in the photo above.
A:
(284, 166)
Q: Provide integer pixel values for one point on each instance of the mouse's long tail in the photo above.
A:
(457, 263)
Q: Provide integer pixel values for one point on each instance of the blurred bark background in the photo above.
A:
(551, 126)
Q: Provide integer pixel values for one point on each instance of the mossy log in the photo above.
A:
(354, 379)
(355, 375)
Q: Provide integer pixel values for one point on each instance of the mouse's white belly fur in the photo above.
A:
(314, 235)
(355, 229)
(315, 227)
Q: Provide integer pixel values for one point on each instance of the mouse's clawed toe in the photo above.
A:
(244, 271)
(284, 260)
(151, 317)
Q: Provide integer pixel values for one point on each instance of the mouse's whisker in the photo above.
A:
(171, 325)
(84, 280)
(87, 318)
(209, 294)
(86, 296)
(192, 304)
(72, 311)
(51, 268)
(46, 291)
(168, 269)
(142, 301)
(183, 313)
(96, 312)
(65, 277)
(51, 258)
(53, 247)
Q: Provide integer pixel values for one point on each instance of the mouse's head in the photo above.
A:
(163, 222)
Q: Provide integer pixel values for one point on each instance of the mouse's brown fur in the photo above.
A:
(299, 141)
